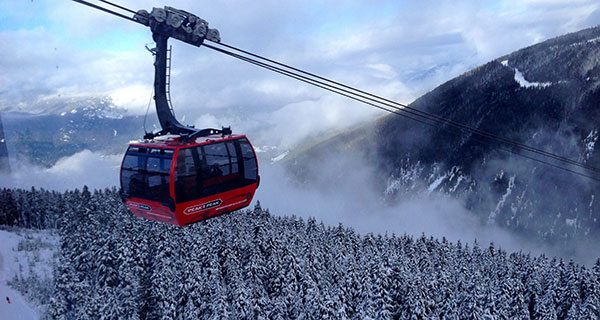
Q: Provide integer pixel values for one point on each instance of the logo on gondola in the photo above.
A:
(202, 207)
(140, 205)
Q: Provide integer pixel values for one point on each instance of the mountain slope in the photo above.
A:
(4, 164)
(546, 96)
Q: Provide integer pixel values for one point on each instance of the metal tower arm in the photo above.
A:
(168, 23)
(173, 23)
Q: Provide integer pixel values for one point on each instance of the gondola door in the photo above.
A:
(146, 183)
(210, 179)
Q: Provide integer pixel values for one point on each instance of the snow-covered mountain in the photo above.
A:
(66, 126)
(90, 106)
(546, 96)
(59, 128)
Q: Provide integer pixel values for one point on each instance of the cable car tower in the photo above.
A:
(181, 174)
(173, 23)
(204, 172)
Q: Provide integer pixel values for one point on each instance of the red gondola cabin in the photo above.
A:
(178, 182)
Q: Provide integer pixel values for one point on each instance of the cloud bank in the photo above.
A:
(342, 193)
(89, 168)
(345, 193)
(395, 49)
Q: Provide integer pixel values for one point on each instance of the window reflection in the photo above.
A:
(219, 169)
(145, 173)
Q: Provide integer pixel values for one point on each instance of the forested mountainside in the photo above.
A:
(254, 265)
(4, 165)
(66, 126)
(546, 96)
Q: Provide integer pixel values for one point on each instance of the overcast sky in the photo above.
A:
(54, 50)
(398, 49)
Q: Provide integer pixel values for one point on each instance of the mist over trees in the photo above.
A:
(544, 96)
(251, 264)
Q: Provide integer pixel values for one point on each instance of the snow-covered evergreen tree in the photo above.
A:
(253, 265)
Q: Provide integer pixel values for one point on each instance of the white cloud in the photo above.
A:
(134, 98)
(208, 121)
(383, 70)
(397, 50)
(343, 193)
(83, 168)
(297, 121)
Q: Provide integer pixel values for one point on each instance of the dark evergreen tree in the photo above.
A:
(252, 265)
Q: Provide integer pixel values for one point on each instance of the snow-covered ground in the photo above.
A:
(32, 257)
(280, 157)
(519, 78)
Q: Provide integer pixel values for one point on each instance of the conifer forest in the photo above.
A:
(256, 265)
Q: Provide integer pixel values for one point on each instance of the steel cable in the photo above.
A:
(375, 101)
(419, 113)
(397, 111)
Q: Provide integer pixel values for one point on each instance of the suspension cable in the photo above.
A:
(373, 100)
(404, 108)
(433, 122)
(118, 6)
(107, 10)
(325, 87)
(424, 114)
(148, 109)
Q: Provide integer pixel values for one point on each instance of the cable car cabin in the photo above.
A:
(181, 183)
